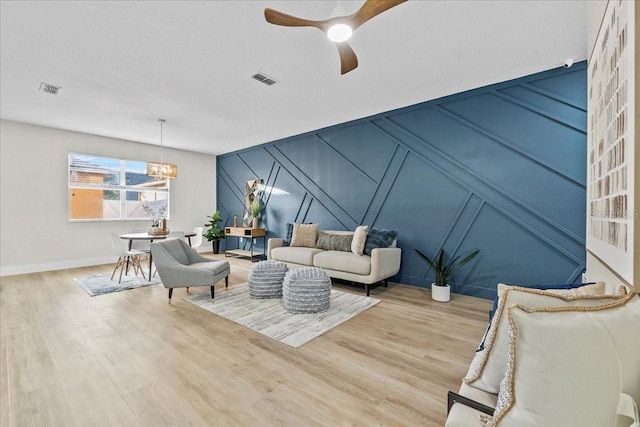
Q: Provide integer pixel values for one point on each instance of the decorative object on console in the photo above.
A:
(338, 28)
(440, 290)
(162, 170)
(213, 232)
(256, 208)
(252, 193)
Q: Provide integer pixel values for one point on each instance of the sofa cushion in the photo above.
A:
(568, 365)
(359, 239)
(304, 235)
(334, 241)
(491, 371)
(217, 267)
(576, 289)
(379, 238)
(343, 261)
(303, 256)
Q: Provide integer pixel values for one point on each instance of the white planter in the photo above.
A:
(440, 293)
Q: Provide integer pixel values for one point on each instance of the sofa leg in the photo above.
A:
(385, 283)
(213, 294)
(366, 288)
(170, 293)
(226, 282)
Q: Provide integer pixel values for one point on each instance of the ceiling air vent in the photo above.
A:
(264, 79)
(50, 89)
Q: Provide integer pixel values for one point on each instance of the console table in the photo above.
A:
(250, 233)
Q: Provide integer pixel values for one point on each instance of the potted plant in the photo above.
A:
(213, 232)
(256, 208)
(440, 290)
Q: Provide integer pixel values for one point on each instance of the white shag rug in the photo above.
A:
(270, 318)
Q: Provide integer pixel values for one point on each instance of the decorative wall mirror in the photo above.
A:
(252, 192)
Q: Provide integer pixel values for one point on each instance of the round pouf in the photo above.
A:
(265, 279)
(306, 290)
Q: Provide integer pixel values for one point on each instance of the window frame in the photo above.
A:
(121, 188)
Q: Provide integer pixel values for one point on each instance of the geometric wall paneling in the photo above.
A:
(499, 168)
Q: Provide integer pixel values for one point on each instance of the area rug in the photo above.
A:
(102, 284)
(270, 318)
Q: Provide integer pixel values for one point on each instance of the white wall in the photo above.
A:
(35, 234)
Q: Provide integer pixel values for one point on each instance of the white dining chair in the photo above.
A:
(126, 258)
(140, 245)
(196, 240)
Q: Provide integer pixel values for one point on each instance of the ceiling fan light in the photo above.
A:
(339, 33)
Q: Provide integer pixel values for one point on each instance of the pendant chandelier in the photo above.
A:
(160, 169)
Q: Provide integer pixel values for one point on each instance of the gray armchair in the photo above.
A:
(179, 266)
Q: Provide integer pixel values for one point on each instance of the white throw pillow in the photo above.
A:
(493, 357)
(359, 239)
(304, 235)
(568, 365)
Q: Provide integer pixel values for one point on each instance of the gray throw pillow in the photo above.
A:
(334, 242)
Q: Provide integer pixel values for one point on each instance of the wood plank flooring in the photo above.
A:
(130, 359)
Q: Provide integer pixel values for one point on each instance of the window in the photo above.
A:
(104, 188)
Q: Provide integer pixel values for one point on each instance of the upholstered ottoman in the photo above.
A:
(306, 290)
(265, 279)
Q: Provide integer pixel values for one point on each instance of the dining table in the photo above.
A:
(151, 237)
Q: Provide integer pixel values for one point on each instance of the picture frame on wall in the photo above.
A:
(612, 209)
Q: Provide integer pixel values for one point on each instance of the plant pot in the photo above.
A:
(440, 293)
(255, 222)
(216, 246)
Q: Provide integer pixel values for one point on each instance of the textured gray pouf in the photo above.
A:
(306, 290)
(265, 279)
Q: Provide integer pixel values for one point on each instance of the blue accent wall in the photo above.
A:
(499, 168)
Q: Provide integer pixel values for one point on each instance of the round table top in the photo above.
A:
(147, 236)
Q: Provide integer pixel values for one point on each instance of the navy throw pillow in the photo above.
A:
(379, 238)
(288, 234)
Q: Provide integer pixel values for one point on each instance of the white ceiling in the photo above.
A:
(124, 64)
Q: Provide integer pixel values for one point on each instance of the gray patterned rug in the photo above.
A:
(101, 284)
(270, 318)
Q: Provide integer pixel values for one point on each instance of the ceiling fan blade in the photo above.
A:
(348, 58)
(370, 9)
(279, 18)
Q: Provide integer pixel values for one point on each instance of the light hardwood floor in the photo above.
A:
(129, 358)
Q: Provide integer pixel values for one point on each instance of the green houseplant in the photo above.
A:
(256, 208)
(213, 232)
(443, 269)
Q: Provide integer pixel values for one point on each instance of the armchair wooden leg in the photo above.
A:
(453, 398)
(170, 293)
(226, 282)
(213, 294)
(187, 289)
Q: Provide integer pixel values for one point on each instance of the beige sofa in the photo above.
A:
(382, 264)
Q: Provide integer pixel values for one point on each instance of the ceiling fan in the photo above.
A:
(338, 28)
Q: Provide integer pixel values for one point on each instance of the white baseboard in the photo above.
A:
(50, 266)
